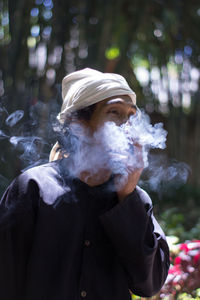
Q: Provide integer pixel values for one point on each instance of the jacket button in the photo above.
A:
(87, 243)
(83, 294)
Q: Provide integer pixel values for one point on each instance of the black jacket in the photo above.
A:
(63, 240)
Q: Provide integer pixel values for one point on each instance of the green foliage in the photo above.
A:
(185, 296)
(178, 224)
(112, 53)
(139, 61)
(135, 297)
(178, 210)
(4, 25)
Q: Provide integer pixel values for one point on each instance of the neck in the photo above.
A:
(94, 179)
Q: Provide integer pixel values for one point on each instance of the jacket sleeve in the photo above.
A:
(139, 242)
(16, 235)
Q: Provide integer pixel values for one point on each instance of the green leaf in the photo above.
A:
(112, 53)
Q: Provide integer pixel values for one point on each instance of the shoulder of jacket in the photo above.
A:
(143, 196)
(45, 178)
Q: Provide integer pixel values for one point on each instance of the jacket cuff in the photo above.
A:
(130, 227)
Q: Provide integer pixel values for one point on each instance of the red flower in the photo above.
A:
(175, 270)
(196, 258)
(177, 260)
(184, 247)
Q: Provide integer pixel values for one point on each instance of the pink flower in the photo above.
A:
(175, 270)
(184, 247)
(177, 260)
(194, 244)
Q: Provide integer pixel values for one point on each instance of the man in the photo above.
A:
(74, 228)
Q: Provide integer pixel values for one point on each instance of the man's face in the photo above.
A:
(117, 109)
(103, 144)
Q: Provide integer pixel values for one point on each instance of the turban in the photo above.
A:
(86, 87)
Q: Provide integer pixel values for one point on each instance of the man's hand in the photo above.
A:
(125, 186)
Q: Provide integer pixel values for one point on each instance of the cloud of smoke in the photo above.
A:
(111, 147)
(30, 137)
(28, 146)
(116, 147)
(138, 130)
(164, 175)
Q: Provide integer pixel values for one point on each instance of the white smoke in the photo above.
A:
(3, 135)
(164, 175)
(28, 146)
(30, 138)
(14, 118)
(121, 149)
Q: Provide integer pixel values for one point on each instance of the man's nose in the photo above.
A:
(124, 121)
(127, 121)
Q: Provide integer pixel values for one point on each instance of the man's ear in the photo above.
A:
(55, 153)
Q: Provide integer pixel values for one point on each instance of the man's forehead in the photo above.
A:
(123, 100)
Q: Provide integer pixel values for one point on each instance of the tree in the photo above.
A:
(154, 44)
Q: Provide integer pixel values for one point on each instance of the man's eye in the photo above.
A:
(114, 112)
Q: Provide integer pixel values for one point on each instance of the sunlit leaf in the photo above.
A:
(112, 53)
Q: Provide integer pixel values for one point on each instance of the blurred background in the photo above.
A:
(155, 44)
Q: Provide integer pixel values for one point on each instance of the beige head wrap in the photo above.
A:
(86, 87)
